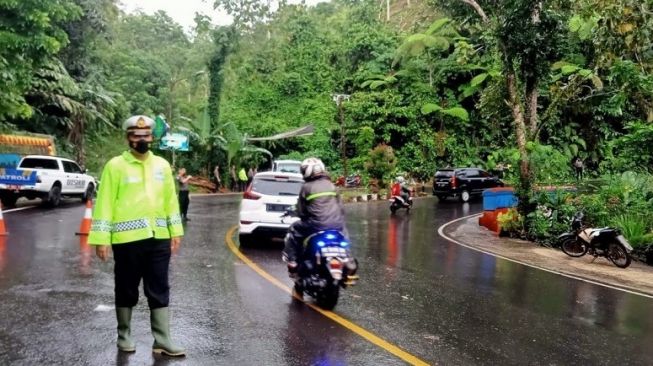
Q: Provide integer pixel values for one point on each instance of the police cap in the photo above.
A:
(138, 125)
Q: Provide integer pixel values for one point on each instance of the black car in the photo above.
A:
(462, 183)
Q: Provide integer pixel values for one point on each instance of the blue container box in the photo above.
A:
(496, 198)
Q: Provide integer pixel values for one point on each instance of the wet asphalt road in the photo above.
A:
(443, 303)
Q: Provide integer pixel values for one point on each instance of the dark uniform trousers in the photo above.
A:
(149, 260)
(184, 200)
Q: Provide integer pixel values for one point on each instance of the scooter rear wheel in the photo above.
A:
(298, 290)
(618, 255)
(328, 297)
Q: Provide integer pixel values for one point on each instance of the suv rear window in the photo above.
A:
(37, 163)
(288, 168)
(472, 173)
(444, 174)
(273, 187)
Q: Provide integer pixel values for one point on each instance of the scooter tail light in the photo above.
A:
(454, 182)
(335, 264)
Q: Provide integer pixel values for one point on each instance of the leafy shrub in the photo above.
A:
(549, 164)
(552, 216)
(511, 222)
(509, 157)
(633, 227)
(633, 150)
(382, 162)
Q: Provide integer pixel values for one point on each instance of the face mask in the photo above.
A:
(140, 146)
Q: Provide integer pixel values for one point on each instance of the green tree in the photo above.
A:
(224, 40)
(528, 39)
(31, 34)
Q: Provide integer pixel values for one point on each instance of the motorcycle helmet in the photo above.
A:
(312, 167)
(400, 180)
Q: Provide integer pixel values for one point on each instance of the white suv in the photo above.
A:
(265, 201)
(55, 177)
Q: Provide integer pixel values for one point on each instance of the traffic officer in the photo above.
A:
(137, 216)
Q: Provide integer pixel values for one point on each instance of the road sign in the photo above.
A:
(174, 141)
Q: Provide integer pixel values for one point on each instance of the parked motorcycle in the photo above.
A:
(351, 181)
(605, 242)
(397, 201)
(325, 267)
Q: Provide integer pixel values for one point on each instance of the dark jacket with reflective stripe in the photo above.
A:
(319, 205)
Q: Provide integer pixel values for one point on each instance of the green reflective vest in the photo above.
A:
(136, 201)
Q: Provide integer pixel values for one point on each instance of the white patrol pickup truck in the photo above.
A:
(55, 177)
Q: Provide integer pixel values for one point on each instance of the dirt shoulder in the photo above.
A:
(637, 278)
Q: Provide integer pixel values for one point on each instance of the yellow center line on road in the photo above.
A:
(407, 357)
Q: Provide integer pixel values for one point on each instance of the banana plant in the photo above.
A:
(477, 83)
(227, 137)
(236, 144)
(379, 80)
(437, 38)
(456, 112)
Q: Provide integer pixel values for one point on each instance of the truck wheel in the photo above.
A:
(90, 192)
(9, 200)
(54, 196)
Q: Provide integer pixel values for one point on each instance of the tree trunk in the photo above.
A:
(477, 8)
(521, 134)
(517, 108)
(76, 139)
(532, 97)
(387, 7)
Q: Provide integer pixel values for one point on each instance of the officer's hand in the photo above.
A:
(175, 242)
(102, 251)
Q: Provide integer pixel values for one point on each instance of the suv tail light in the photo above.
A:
(249, 195)
(453, 181)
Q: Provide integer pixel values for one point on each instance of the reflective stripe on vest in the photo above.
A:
(321, 194)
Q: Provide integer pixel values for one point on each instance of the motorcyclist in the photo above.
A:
(319, 208)
(404, 189)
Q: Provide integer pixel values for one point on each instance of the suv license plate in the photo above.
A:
(277, 208)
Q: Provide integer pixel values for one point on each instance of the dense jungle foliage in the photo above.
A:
(526, 84)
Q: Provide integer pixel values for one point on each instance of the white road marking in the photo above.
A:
(18, 209)
(104, 308)
(441, 232)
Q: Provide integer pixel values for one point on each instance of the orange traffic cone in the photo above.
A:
(85, 226)
(3, 230)
(3, 256)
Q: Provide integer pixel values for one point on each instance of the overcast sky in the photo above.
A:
(183, 11)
